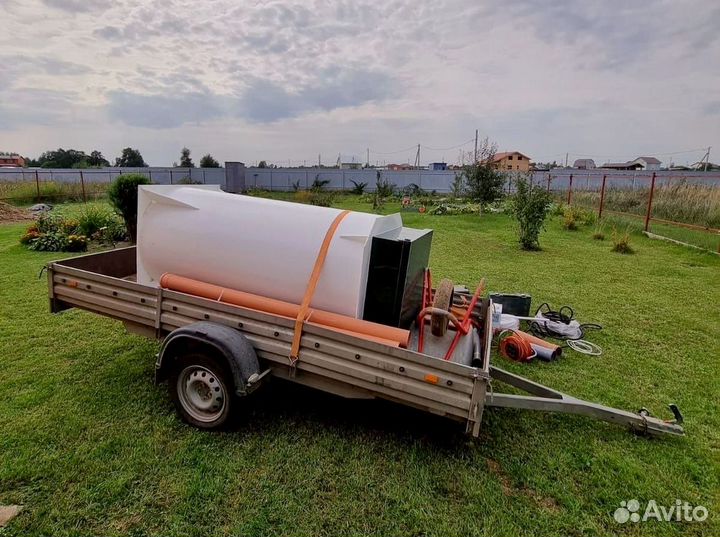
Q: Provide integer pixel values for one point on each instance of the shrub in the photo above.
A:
(569, 221)
(319, 184)
(589, 218)
(189, 181)
(383, 187)
(322, 199)
(76, 243)
(49, 223)
(49, 242)
(296, 185)
(621, 243)
(530, 206)
(69, 225)
(558, 209)
(123, 195)
(94, 218)
(29, 236)
(358, 188)
(455, 208)
(413, 190)
(598, 235)
(484, 182)
(458, 186)
(302, 196)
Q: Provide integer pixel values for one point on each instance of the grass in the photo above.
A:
(90, 446)
(26, 192)
(679, 202)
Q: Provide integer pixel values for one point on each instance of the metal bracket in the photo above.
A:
(255, 380)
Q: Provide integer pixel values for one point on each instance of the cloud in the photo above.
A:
(540, 76)
(36, 107)
(711, 108)
(78, 6)
(262, 101)
(161, 111)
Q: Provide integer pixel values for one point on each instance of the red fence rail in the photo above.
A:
(648, 216)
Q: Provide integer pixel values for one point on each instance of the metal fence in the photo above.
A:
(690, 201)
(609, 192)
(23, 185)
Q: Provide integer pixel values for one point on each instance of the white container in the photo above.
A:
(261, 246)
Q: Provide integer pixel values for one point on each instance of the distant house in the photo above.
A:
(648, 163)
(438, 166)
(584, 164)
(399, 167)
(640, 163)
(11, 161)
(350, 166)
(512, 161)
(622, 166)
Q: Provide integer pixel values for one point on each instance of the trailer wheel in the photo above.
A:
(201, 388)
(442, 300)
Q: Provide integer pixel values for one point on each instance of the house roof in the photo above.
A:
(621, 165)
(583, 162)
(648, 160)
(502, 155)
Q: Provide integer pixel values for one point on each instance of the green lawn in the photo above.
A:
(90, 446)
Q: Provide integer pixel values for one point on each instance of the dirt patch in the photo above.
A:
(7, 513)
(509, 490)
(8, 213)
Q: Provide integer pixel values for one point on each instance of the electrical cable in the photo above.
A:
(447, 148)
(515, 347)
(559, 324)
(414, 147)
(584, 347)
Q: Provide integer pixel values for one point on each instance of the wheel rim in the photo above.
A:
(201, 394)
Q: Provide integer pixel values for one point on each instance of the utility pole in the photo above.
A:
(566, 159)
(707, 158)
(368, 157)
(417, 158)
(476, 138)
(319, 165)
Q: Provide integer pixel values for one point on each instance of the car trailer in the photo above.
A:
(213, 351)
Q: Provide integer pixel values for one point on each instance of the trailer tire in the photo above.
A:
(442, 301)
(201, 388)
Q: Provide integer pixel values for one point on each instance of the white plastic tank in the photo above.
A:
(257, 245)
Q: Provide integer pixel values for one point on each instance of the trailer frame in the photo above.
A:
(342, 364)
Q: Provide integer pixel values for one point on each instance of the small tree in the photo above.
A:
(458, 186)
(130, 158)
(96, 159)
(530, 205)
(262, 164)
(185, 160)
(484, 182)
(209, 162)
(123, 195)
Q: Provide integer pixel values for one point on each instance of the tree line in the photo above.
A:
(129, 158)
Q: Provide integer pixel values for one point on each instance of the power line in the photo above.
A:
(449, 148)
(412, 147)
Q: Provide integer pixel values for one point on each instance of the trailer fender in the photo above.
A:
(225, 342)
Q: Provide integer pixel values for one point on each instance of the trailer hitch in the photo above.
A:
(678, 417)
(546, 399)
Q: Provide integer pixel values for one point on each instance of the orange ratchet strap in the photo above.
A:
(312, 284)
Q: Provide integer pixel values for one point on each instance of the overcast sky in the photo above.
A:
(285, 81)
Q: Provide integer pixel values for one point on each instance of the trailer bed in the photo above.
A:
(103, 283)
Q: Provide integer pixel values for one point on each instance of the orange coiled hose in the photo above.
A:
(515, 347)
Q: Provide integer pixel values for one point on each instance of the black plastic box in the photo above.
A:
(393, 294)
